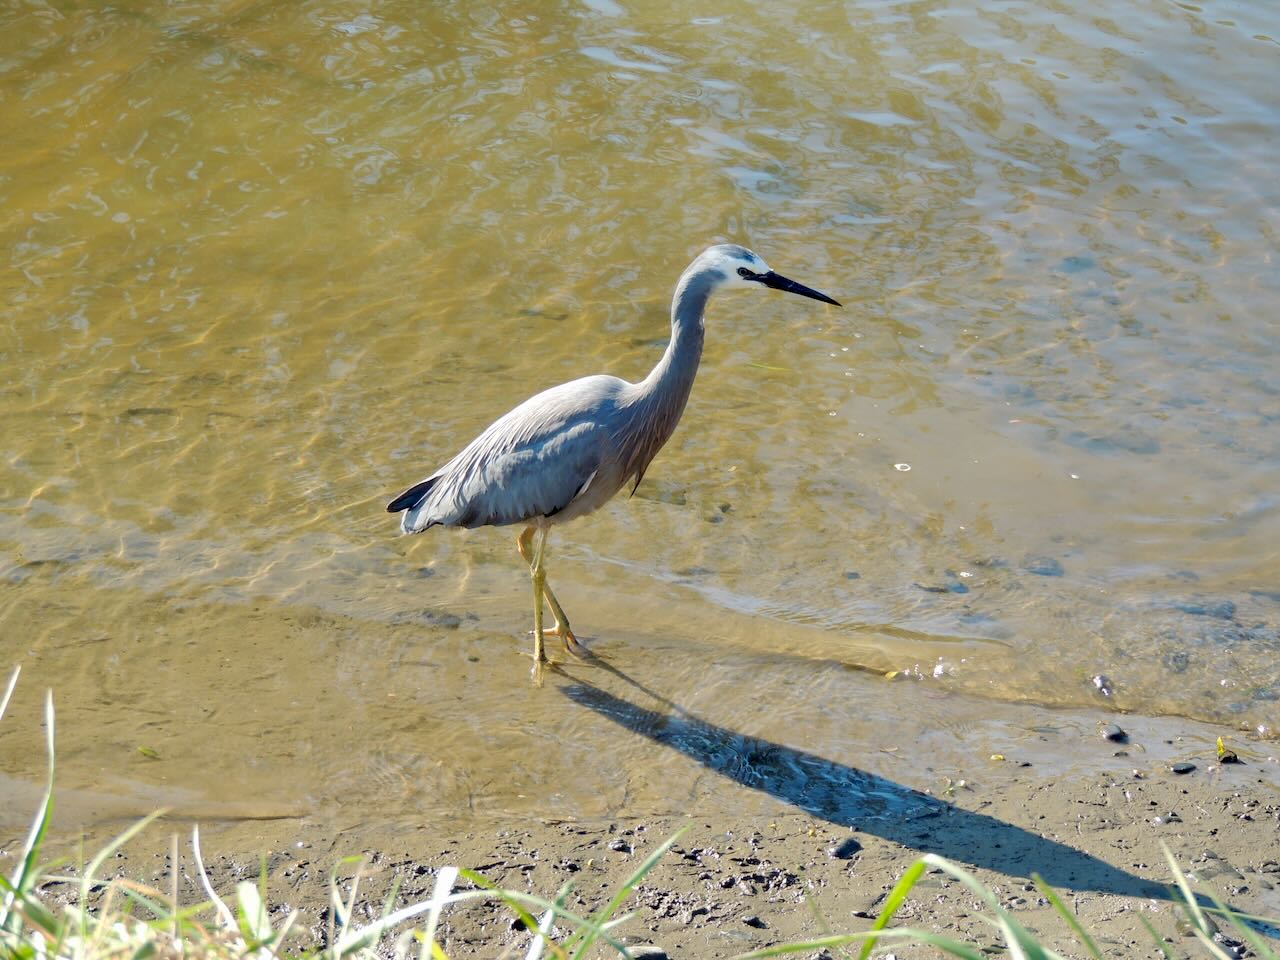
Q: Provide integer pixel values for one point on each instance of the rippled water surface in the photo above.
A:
(266, 264)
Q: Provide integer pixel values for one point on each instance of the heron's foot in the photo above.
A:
(571, 643)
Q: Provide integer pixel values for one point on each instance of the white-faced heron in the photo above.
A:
(564, 452)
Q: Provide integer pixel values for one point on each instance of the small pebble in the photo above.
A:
(1232, 948)
(1103, 684)
(755, 922)
(1115, 734)
(845, 849)
(1183, 767)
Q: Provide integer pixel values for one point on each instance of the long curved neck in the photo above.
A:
(660, 397)
(669, 382)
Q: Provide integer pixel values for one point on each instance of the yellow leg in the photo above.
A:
(539, 577)
(561, 629)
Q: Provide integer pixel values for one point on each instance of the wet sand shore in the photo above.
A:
(733, 883)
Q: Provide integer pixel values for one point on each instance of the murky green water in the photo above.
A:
(265, 265)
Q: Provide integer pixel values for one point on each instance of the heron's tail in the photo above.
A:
(411, 500)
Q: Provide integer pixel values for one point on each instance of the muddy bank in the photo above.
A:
(733, 883)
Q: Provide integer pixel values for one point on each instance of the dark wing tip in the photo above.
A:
(412, 497)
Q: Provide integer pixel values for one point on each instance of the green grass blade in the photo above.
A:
(955, 948)
(32, 910)
(1081, 934)
(356, 939)
(625, 890)
(120, 840)
(484, 883)
(583, 925)
(1240, 926)
(542, 935)
(27, 871)
(443, 887)
(283, 933)
(157, 909)
(255, 925)
(1017, 937)
(338, 918)
(1018, 950)
(804, 946)
(1206, 941)
(1193, 905)
(224, 912)
(891, 904)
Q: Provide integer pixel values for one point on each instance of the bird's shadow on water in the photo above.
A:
(859, 800)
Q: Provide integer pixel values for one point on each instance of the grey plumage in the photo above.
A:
(566, 451)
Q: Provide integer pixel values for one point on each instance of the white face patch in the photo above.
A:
(727, 259)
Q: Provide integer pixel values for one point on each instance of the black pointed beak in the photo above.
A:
(778, 282)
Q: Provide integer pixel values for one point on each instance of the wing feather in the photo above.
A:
(532, 462)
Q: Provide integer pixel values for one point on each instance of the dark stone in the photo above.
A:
(1042, 566)
(1183, 767)
(845, 849)
(1115, 734)
(755, 922)
(1231, 947)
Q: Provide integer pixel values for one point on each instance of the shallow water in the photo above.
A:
(267, 265)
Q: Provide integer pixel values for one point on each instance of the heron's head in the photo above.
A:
(731, 266)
